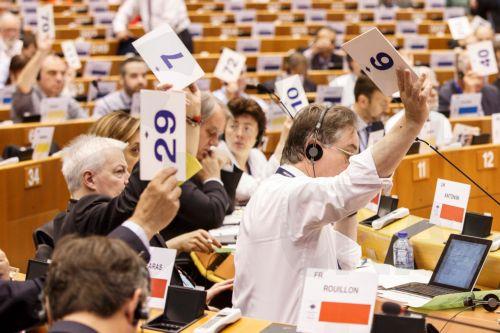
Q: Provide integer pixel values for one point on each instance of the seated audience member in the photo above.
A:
(43, 76)
(369, 107)
(467, 81)
(497, 54)
(230, 90)
(296, 63)
(121, 126)
(296, 221)
(10, 44)
(95, 284)
(347, 82)
(321, 54)
(17, 64)
(20, 300)
(29, 45)
(437, 125)
(133, 72)
(242, 137)
(209, 195)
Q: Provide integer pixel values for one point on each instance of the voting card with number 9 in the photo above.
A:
(378, 59)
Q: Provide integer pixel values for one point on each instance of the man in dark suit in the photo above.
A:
(95, 284)
(19, 301)
(321, 55)
(296, 63)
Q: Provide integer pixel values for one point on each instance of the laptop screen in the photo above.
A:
(461, 264)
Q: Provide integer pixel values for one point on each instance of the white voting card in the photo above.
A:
(291, 92)
(450, 204)
(467, 104)
(100, 89)
(247, 45)
(229, 66)
(163, 132)
(463, 133)
(325, 93)
(42, 140)
(45, 22)
(495, 128)
(378, 58)
(54, 109)
(168, 58)
(96, 68)
(160, 268)
(70, 55)
(460, 27)
(337, 301)
(483, 59)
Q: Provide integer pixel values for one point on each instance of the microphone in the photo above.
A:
(392, 308)
(459, 170)
(275, 98)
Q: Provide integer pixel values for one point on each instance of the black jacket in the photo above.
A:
(19, 302)
(64, 326)
(335, 62)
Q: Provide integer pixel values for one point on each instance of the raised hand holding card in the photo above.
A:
(168, 58)
(378, 59)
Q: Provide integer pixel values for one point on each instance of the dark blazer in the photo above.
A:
(64, 326)
(309, 86)
(19, 302)
(490, 100)
(204, 206)
(335, 62)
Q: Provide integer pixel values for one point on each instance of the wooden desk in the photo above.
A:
(484, 123)
(18, 134)
(31, 194)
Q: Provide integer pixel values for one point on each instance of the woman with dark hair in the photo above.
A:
(242, 138)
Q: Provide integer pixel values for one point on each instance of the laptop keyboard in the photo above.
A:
(424, 289)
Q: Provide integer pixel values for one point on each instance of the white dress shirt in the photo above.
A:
(6, 54)
(260, 169)
(287, 227)
(154, 13)
(347, 82)
(439, 125)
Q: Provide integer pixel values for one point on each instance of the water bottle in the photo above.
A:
(403, 252)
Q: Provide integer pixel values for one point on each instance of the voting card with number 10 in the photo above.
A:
(163, 132)
(378, 59)
(168, 58)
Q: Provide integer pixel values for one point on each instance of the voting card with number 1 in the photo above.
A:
(168, 58)
(163, 132)
(378, 59)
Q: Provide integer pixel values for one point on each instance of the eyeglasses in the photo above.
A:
(347, 154)
(247, 130)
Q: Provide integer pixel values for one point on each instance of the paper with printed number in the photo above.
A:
(163, 132)
(160, 268)
(450, 204)
(483, 59)
(292, 93)
(460, 27)
(468, 104)
(42, 140)
(168, 58)
(495, 128)
(337, 301)
(45, 22)
(378, 59)
(70, 55)
(229, 66)
(54, 109)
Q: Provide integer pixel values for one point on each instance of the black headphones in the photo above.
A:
(140, 313)
(489, 302)
(314, 152)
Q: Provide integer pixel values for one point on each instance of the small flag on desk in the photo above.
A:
(452, 213)
(344, 313)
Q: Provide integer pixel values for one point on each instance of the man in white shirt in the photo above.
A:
(133, 78)
(347, 82)
(369, 106)
(154, 14)
(295, 220)
(10, 44)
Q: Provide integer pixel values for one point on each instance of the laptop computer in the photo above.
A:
(457, 269)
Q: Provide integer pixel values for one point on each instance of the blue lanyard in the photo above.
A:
(284, 172)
